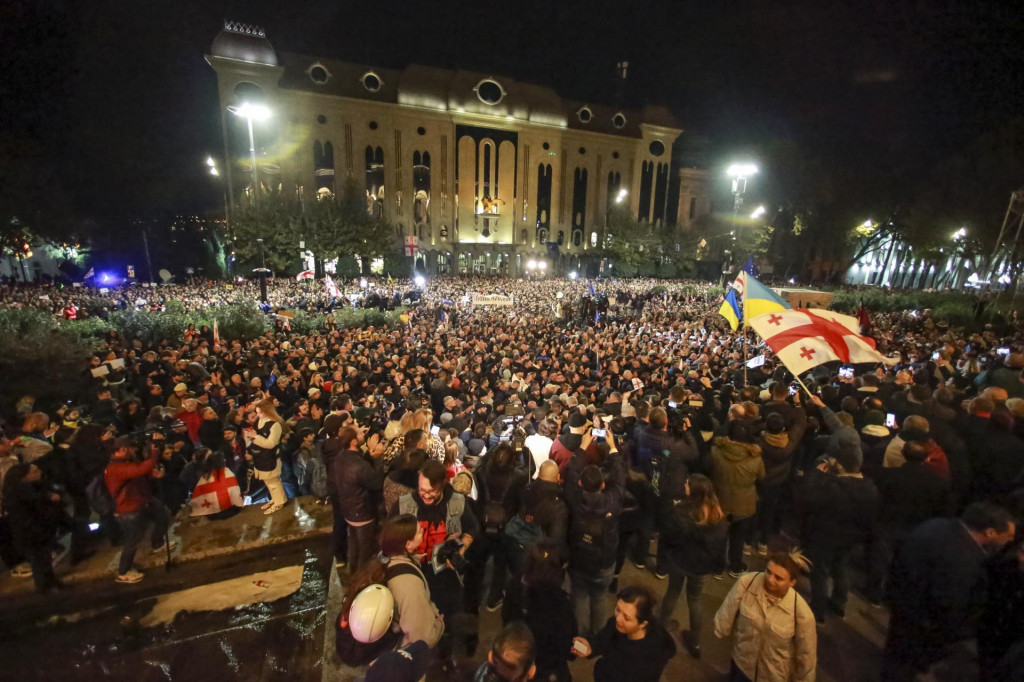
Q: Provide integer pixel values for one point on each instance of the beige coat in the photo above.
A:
(770, 643)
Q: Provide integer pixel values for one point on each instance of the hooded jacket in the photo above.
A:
(594, 533)
(354, 480)
(777, 449)
(735, 469)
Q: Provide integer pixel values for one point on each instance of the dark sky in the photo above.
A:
(120, 100)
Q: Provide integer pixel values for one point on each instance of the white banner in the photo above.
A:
(491, 299)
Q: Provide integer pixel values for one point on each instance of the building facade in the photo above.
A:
(487, 173)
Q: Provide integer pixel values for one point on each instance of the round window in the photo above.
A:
(318, 74)
(371, 81)
(373, 125)
(546, 146)
(583, 150)
(619, 121)
(657, 148)
(615, 155)
(321, 119)
(489, 92)
(248, 92)
(585, 115)
(421, 131)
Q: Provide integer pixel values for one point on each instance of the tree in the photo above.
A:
(272, 220)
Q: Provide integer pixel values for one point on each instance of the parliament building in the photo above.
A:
(483, 173)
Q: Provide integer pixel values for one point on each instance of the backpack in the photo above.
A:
(316, 474)
(495, 514)
(355, 653)
(99, 497)
(521, 533)
(591, 538)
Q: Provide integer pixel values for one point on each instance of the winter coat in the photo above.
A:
(264, 448)
(735, 469)
(698, 549)
(594, 529)
(771, 643)
(32, 516)
(908, 496)
(837, 510)
(777, 449)
(354, 481)
(128, 483)
(637, 660)
(417, 615)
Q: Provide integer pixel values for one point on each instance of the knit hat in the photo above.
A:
(180, 388)
(312, 391)
(577, 420)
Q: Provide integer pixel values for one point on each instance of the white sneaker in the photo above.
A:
(132, 576)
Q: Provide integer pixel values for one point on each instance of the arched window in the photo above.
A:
(577, 238)
(593, 238)
(561, 237)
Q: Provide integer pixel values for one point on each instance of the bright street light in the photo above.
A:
(542, 265)
(741, 170)
(960, 234)
(623, 192)
(573, 275)
(531, 264)
(213, 171)
(758, 212)
(419, 280)
(257, 112)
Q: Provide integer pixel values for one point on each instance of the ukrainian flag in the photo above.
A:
(730, 310)
(760, 300)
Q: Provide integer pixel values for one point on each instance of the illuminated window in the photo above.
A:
(319, 74)
(371, 81)
(619, 121)
(585, 114)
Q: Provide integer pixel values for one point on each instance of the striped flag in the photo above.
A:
(332, 288)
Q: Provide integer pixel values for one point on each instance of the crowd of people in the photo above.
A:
(584, 425)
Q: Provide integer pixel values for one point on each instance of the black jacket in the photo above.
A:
(549, 614)
(622, 658)
(837, 511)
(354, 480)
(544, 504)
(594, 531)
(696, 549)
(909, 495)
(938, 581)
(777, 449)
(32, 515)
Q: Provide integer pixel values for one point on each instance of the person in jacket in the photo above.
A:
(511, 658)
(937, 587)
(444, 515)
(736, 467)
(907, 497)
(127, 481)
(539, 601)
(416, 618)
(211, 430)
(566, 445)
(632, 645)
(403, 476)
(264, 452)
(33, 513)
(774, 635)
(544, 505)
(357, 481)
(596, 502)
(500, 484)
(329, 450)
(998, 461)
(695, 535)
(778, 443)
(660, 456)
(838, 509)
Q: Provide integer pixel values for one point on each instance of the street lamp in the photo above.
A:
(257, 112)
(229, 254)
(758, 212)
(739, 172)
(621, 196)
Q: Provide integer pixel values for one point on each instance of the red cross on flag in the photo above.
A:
(215, 493)
(803, 338)
(412, 245)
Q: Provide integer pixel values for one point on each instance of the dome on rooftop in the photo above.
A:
(245, 43)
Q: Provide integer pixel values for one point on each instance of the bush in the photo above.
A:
(34, 347)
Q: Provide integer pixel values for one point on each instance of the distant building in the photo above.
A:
(486, 171)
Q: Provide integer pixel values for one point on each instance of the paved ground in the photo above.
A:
(206, 619)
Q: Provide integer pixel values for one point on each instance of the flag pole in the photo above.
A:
(803, 386)
(745, 338)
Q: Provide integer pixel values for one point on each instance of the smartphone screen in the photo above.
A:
(598, 433)
(434, 430)
(890, 420)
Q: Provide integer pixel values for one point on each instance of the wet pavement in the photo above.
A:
(208, 619)
(280, 639)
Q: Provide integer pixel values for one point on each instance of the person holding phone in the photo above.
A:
(632, 645)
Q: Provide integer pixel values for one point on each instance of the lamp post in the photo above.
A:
(739, 172)
(258, 112)
(211, 165)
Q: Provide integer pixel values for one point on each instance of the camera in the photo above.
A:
(449, 552)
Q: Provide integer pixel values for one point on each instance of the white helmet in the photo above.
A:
(371, 613)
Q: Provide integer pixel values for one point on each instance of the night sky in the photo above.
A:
(120, 107)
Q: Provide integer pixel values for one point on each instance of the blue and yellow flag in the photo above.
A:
(730, 310)
(759, 299)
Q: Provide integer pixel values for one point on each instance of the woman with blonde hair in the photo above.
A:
(264, 453)
(423, 418)
(695, 535)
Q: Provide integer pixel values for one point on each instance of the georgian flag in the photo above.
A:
(215, 493)
(305, 274)
(216, 333)
(803, 338)
(332, 288)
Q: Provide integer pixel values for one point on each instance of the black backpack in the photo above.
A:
(593, 537)
(495, 514)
